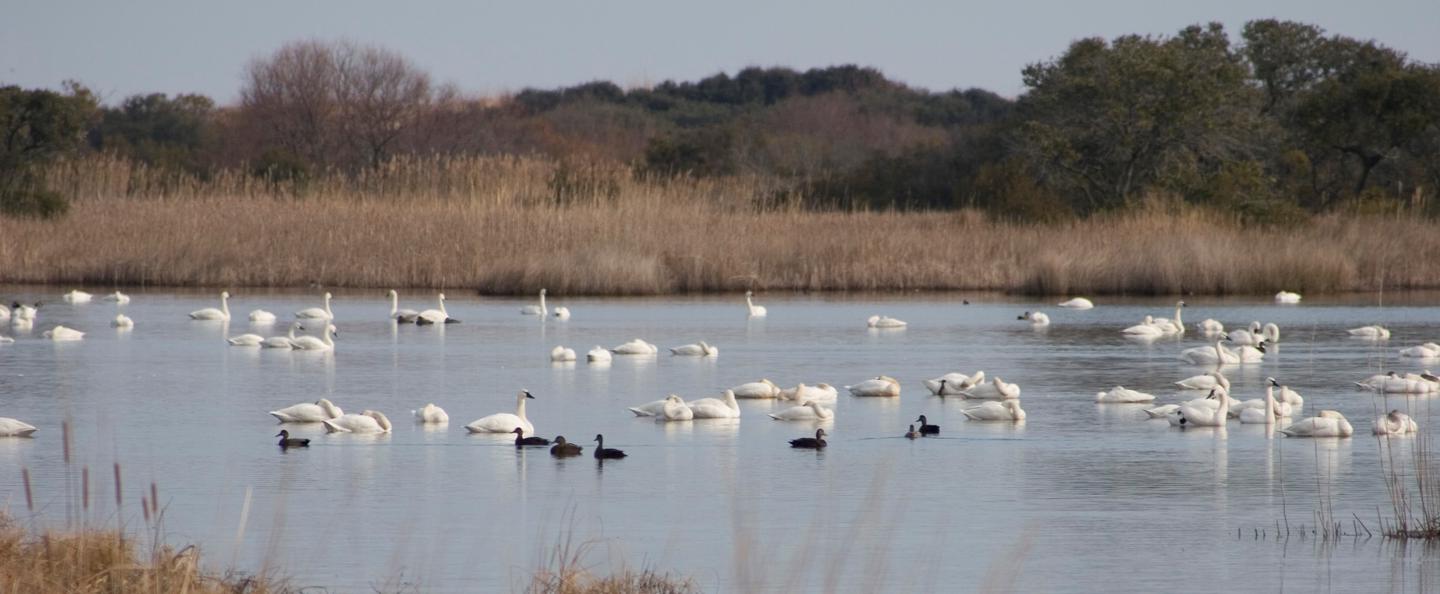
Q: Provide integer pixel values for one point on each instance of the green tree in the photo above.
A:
(158, 130)
(36, 127)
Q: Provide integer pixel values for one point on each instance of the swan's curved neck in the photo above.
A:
(542, 303)
(329, 340)
(327, 307)
(225, 304)
(442, 308)
(394, 304)
(520, 407)
(1270, 404)
(1177, 316)
(293, 327)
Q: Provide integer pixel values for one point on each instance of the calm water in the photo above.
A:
(1082, 497)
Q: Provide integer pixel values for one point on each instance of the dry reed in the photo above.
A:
(509, 225)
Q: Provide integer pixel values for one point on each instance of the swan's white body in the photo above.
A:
(1169, 326)
(63, 334)
(802, 393)
(650, 409)
(598, 354)
(1266, 413)
(25, 313)
(885, 322)
(404, 316)
(761, 389)
(282, 342)
(1008, 410)
(1121, 394)
(1219, 355)
(1395, 423)
(562, 313)
(366, 422)
(561, 354)
(1202, 414)
(431, 414)
(1255, 335)
(439, 316)
(1077, 303)
(1162, 411)
(536, 310)
(317, 313)
(1146, 328)
(996, 389)
(118, 297)
(311, 343)
(1428, 350)
(701, 349)
(1373, 332)
(675, 410)
(1037, 319)
(4, 313)
(307, 412)
(210, 313)
(1328, 423)
(122, 321)
(246, 340)
(1211, 326)
(1205, 381)
(1292, 398)
(716, 408)
(882, 386)
(636, 347)
(15, 428)
(1395, 384)
(952, 384)
(77, 296)
(260, 316)
(756, 311)
(810, 411)
(505, 422)
(1287, 297)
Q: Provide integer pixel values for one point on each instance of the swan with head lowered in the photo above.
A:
(809, 411)
(1372, 332)
(885, 322)
(260, 316)
(1077, 303)
(1428, 350)
(1395, 423)
(562, 313)
(536, 310)
(598, 355)
(561, 354)
(403, 316)
(24, 313)
(123, 322)
(700, 349)
(716, 408)
(317, 313)
(1210, 326)
(636, 347)
(77, 296)
(366, 422)
(1006, 410)
(823, 393)
(210, 313)
(505, 422)
(63, 334)
(118, 297)
(1328, 423)
(882, 386)
(650, 409)
(996, 389)
(756, 311)
(437, 316)
(311, 343)
(1205, 381)
(1255, 335)
(431, 414)
(675, 409)
(761, 389)
(306, 412)
(1037, 319)
(282, 342)
(15, 428)
(1194, 414)
(952, 384)
(1121, 394)
(246, 340)
(1393, 383)
(1147, 328)
(1287, 297)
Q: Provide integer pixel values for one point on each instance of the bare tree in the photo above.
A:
(381, 95)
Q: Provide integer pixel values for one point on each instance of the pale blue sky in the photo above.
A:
(120, 47)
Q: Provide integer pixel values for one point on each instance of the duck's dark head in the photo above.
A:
(599, 437)
(283, 433)
(921, 420)
(819, 433)
(519, 431)
(559, 440)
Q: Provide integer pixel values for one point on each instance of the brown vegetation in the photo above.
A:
(512, 224)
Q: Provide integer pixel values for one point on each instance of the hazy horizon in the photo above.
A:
(168, 46)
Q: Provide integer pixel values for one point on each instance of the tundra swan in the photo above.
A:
(260, 316)
(311, 343)
(1172, 326)
(1255, 335)
(562, 313)
(716, 408)
(291, 442)
(63, 334)
(1287, 297)
(885, 322)
(211, 313)
(246, 340)
(282, 342)
(810, 443)
(650, 409)
(635, 347)
(536, 310)
(598, 354)
(404, 316)
(802, 393)
(123, 322)
(756, 311)
(700, 349)
(1211, 326)
(604, 453)
(1428, 350)
(810, 411)
(1205, 381)
(6, 339)
(1121, 394)
(1267, 412)
(1373, 332)
(881, 386)
(997, 389)
(560, 354)
(1146, 328)
(436, 316)
(505, 422)
(675, 409)
(952, 384)
(1037, 319)
(366, 422)
(1395, 423)
(761, 389)
(317, 313)
(1007, 410)
(1394, 384)
(1194, 414)
(1077, 303)
(118, 297)
(307, 412)
(431, 414)
(1328, 423)
(1162, 411)
(15, 428)
(77, 296)
(24, 313)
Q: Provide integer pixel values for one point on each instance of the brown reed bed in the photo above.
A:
(507, 225)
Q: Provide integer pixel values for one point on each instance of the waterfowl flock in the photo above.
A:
(999, 400)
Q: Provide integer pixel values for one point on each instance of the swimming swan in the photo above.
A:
(211, 313)
(77, 296)
(599, 355)
(1008, 410)
(695, 350)
(403, 316)
(810, 411)
(536, 310)
(118, 297)
(636, 347)
(801, 393)
(437, 316)
(1328, 423)
(1395, 423)
(1200, 414)
(317, 313)
(761, 389)
(885, 322)
(431, 414)
(505, 422)
(1146, 328)
(952, 384)
(650, 409)
(716, 408)
(562, 313)
(1036, 318)
(1211, 326)
(560, 354)
(1287, 297)
(261, 316)
(997, 389)
(1169, 326)
(123, 322)
(246, 340)
(282, 342)
(310, 343)
(756, 311)
(1392, 383)
(63, 334)
(1428, 350)
(1121, 394)
(306, 412)
(1268, 411)
(366, 422)
(882, 386)
(675, 410)
(1205, 381)
(15, 428)
(1373, 332)
(1077, 303)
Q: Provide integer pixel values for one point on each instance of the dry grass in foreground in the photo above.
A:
(513, 225)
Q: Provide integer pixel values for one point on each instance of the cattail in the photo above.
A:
(65, 439)
(85, 488)
(118, 498)
(29, 497)
(154, 500)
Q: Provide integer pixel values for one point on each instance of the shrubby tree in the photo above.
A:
(158, 130)
(37, 127)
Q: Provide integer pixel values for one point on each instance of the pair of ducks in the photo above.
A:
(925, 429)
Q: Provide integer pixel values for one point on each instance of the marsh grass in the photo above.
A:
(509, 225)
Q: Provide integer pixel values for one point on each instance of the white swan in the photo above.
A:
(366, 422)
(536, 310)
(1172, 326)
(701, 349)
(996, 389)
(307, 412)
(885, 322)
(505, 422)
(650, 409)
(1373, 332)
(77, 296)
(1428, 350)
(1291, 398)
(25, 313)
(823, 393)
(317, 313)
(952, 384)
(1219, 355)
(1121, 394)
(1077, 303)
(5, 312)
(123, 322)
(15, 428)
(1146, 328)
(761, 389)
(756, 311)
(404, 316)
(118, 297)
(260, 316)
(1037, 319)
(282, 342)
(1328, 423)
(716, 408)
(636, 347)
(63, 334)
(809, 411)
(246, 340)
(1268, 411)
(1211, 326)
(1008, 410)
(442, 316)
(560, 354)
(562, 313)
(311, 343)
(1255, 335)
(1394, 384)
(1395, 423)
(1162, 411)
(882, 386)
(210, 313)
(431, 414)
(1287, 297)
(1205, 381)
(598, 354)
(675, 410)
(1202, 414)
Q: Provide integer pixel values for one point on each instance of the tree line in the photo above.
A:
(1286, 121)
